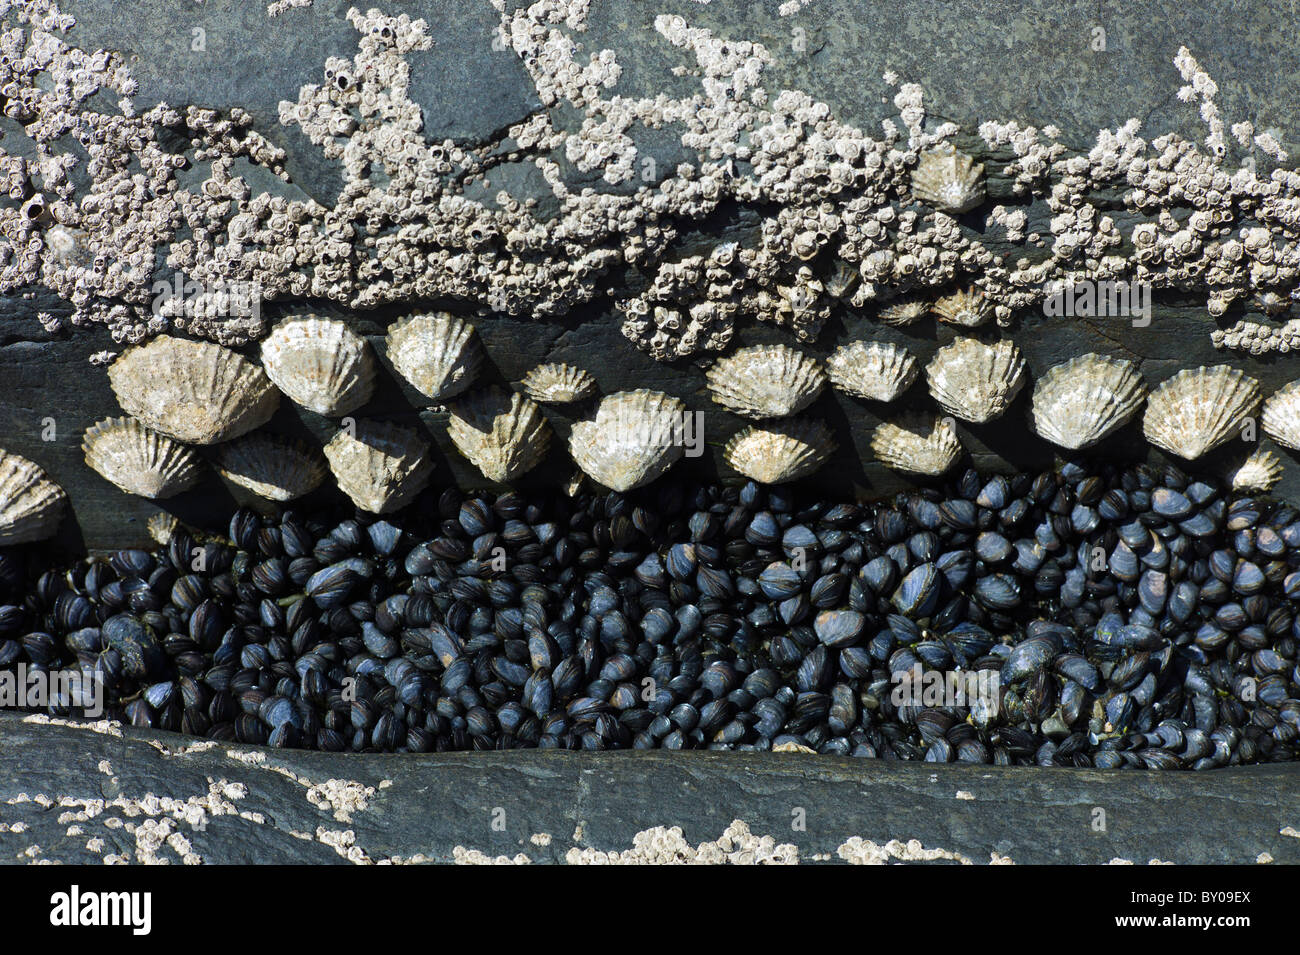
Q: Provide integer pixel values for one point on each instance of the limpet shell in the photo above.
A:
(968, 308)
(320, 364)
(779, 451)
(1081, 401)
(842, 279)
(903, 313)
(1199, 409)
(917, 444)
(877, 370)
(634, 437)
(380, 466)
(1259, 472)
(558, 383)
(1281, 417)
(503, 434)
(139, 460)
(975, 381)
(195, 392)
(274, 468)
(948, 179)
(438, 354)
(766, 381)
(31, 505)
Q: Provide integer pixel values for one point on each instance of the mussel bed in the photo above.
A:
(1127, 617)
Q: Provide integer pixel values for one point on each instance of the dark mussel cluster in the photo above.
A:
(1133, 618)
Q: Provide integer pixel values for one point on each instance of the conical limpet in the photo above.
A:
(634, 437)
(779, 451)
(1199, 409)
(31, 505)
(766, 381)
(380, 466)
(1259, 472)
(968, 308)
(558, 383)
(438, 354)
(1081, 401)
(195, 392)
(917, 444)
(975, 381)
(274, 468)
(320, 364)
(876, 370)
(903, 313)
(948, 179)
(1281, 417)
(503, 434)
(139, 460)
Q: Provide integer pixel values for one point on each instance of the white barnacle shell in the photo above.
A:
(634, 437)
(380, 466)
(1281, 418)
(138, 459)
(1199, 409)
(195, 392)
(877, 370)
(1259, 472)
(779, 451)
(903, 313)
(320, 364)
(766, 381)
(503, 434)
(967, 308)
(917, 444)
(975, 381)
(558, 383)
(438, 354)
(1081, 401)
(948, 179)
(275, 468)
(31, 505)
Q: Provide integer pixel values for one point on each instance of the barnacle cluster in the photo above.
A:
(844, 218)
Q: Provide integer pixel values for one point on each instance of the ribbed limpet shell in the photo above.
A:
(274, 468)
(1199, 409)
(766, 381)
(31, 505)
(779, 451)
(1281, 417)
(634, 437)
(968, 308)
(438, 354)
(917, 444)
(948, 179)
(1259, 472)
(1079, 402)
(877, 370)
(558, 383)
(903, 313)
(503, 434)
(975, 381)
(139, 460)
(381, 467)
(195, 392)
(320, 364)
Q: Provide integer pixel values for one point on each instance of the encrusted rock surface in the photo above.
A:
(1031, 63)
(104, 794)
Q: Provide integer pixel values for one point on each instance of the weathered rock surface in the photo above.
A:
(74, 794)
